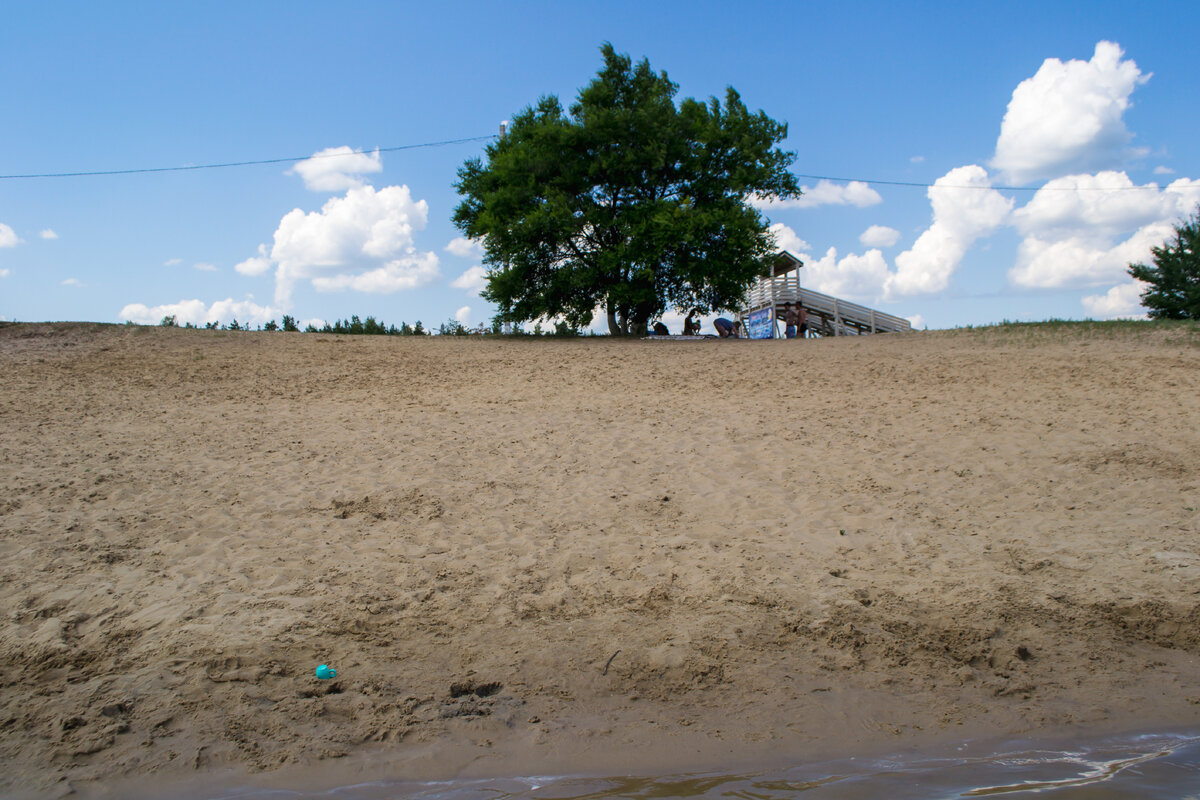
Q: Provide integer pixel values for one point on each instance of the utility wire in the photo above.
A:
(240, 163)
(998, 188)
(445, 142)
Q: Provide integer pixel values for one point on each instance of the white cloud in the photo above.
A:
(854, 193)
(1068, 117)
(463, 247)
(463, 315)
(171, 262)
(361, 241)
(859, 276)
(197, 313)
(8, 237)
(255, 265)
(852, 276)
(786, 239)
(1123, 300)
(918, 322)
(72, 282)
(336, 169)
(408, 272)
(47, 233)
(1108, 202)
(961, 214)
(917, 159)
(1084, 230)
(1161, 170)
(4, 273)
(473, 280)
(1082, 260)
(879, 236)
(204, 267)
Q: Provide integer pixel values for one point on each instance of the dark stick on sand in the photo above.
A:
(609, 662)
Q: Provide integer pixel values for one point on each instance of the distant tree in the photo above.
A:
(1174, 280)
(310, 328)
(271, 326)
(168, 322)
(289, 324)
(418, 329)
(212, 326)
(234, 326)
(452, 327)
(629, 202)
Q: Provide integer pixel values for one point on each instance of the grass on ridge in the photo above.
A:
(1187, 331)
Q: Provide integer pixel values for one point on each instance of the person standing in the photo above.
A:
(796, 318)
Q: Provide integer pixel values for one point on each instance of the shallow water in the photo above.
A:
(1147, 767)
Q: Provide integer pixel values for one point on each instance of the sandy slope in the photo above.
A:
(573, 554)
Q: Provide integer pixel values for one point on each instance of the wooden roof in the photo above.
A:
(783, 262)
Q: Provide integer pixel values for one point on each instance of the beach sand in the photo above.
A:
(568, 555)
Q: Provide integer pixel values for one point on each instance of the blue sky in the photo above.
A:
(1093, 104)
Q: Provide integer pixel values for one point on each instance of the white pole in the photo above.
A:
(773, 301)
(503, 131)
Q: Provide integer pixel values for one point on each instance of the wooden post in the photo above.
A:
(773, 336)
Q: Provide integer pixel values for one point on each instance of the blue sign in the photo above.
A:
(761, 324)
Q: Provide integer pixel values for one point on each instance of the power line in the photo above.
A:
(998, 188)
(190, 167)
(446, 142)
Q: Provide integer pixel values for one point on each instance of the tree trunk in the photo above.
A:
(613, 328)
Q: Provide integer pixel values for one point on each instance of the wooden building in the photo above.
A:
(827, 315)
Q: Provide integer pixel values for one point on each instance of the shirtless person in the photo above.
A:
(796, 319)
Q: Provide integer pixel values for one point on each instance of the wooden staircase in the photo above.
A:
(827, 315)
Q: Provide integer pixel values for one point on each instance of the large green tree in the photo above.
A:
(630, 202)
(1174, 280)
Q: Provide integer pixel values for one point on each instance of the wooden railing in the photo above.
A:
(827, 315)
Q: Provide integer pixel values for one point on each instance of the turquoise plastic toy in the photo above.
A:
(325, 672)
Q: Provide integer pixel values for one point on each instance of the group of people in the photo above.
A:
(795, 320)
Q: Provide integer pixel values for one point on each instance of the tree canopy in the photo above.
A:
(629, 202)
(1174, 280)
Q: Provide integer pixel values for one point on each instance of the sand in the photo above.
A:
(583, 555)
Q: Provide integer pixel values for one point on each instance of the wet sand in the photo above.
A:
(562, 556)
